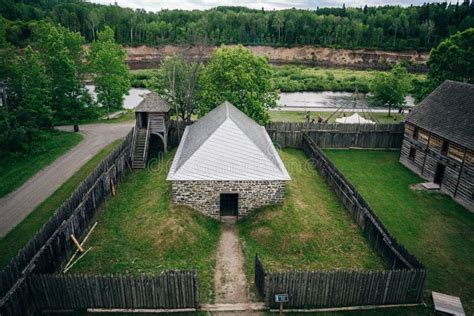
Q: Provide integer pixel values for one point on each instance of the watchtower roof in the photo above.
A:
(153, 102)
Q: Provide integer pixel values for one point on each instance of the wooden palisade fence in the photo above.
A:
(403, 283)
(29, 283)
(387, 136)
(329, 289)
(167, 290)
(48, 251)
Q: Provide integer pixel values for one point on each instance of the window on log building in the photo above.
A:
(436, 142)
(423, 136)
(456, 152)
(416, 130)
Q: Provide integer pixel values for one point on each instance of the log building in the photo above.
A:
(438, 142)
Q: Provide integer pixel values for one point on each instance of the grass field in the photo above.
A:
(140, 231)
(50, 145)
(431, 225)
(312, 230)
(23, 232)
(291, 78)
(299, 116)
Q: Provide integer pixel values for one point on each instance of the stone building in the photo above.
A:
(226, 165)
(438, 143)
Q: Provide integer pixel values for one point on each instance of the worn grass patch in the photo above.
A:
(128, 116)
(23, 232)
(312, 230)
(47, 148)
(140, 231)
(299, 116)
(432, 226)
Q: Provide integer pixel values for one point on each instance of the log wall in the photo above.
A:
(167, 290)
(427, 154)
(382, 136)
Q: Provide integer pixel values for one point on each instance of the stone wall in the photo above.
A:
(204, 196)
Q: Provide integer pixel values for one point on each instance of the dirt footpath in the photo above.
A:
(230, 281)
(18, 204)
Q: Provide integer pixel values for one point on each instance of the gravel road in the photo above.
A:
(18, 204)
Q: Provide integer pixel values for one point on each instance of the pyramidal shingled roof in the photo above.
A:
(226, 145)
(448, 112)
(153, 102)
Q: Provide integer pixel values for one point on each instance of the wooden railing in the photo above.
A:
(134, 135)
(147, 139)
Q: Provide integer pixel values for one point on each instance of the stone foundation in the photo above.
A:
(204, 196)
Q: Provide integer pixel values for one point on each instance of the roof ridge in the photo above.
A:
(265, 153)
(181, 163)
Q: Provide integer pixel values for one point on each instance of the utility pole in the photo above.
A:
(173, 94)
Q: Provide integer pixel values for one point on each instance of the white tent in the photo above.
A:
(354, 119)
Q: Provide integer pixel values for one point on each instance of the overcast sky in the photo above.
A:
(155, 5)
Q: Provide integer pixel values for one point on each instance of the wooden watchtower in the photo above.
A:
(152, 117)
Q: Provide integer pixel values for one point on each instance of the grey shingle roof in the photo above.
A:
(153, 102)
(226, 145)
(448, 112)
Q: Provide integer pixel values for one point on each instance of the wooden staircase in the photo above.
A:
(140, 148)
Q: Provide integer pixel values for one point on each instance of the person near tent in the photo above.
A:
(307, 117)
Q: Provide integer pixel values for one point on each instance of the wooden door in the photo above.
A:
(439, 174)
(229, 204)
(144, 119)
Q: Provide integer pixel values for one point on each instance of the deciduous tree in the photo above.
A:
(60, 53)
(110, 72)
(240, 77)
(390, 89)
(453, 59)
(179, 84)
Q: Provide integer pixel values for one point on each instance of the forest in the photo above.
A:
(387, 27)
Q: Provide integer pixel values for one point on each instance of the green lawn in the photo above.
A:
(312, 230)
(431, 225)
(129, 115)
(290, 78)
(23, 232)
(140, 231)
(299, 116)
(49, 146)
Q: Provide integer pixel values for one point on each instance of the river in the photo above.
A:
(326, 101)
(134, 97)
(289, 101)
